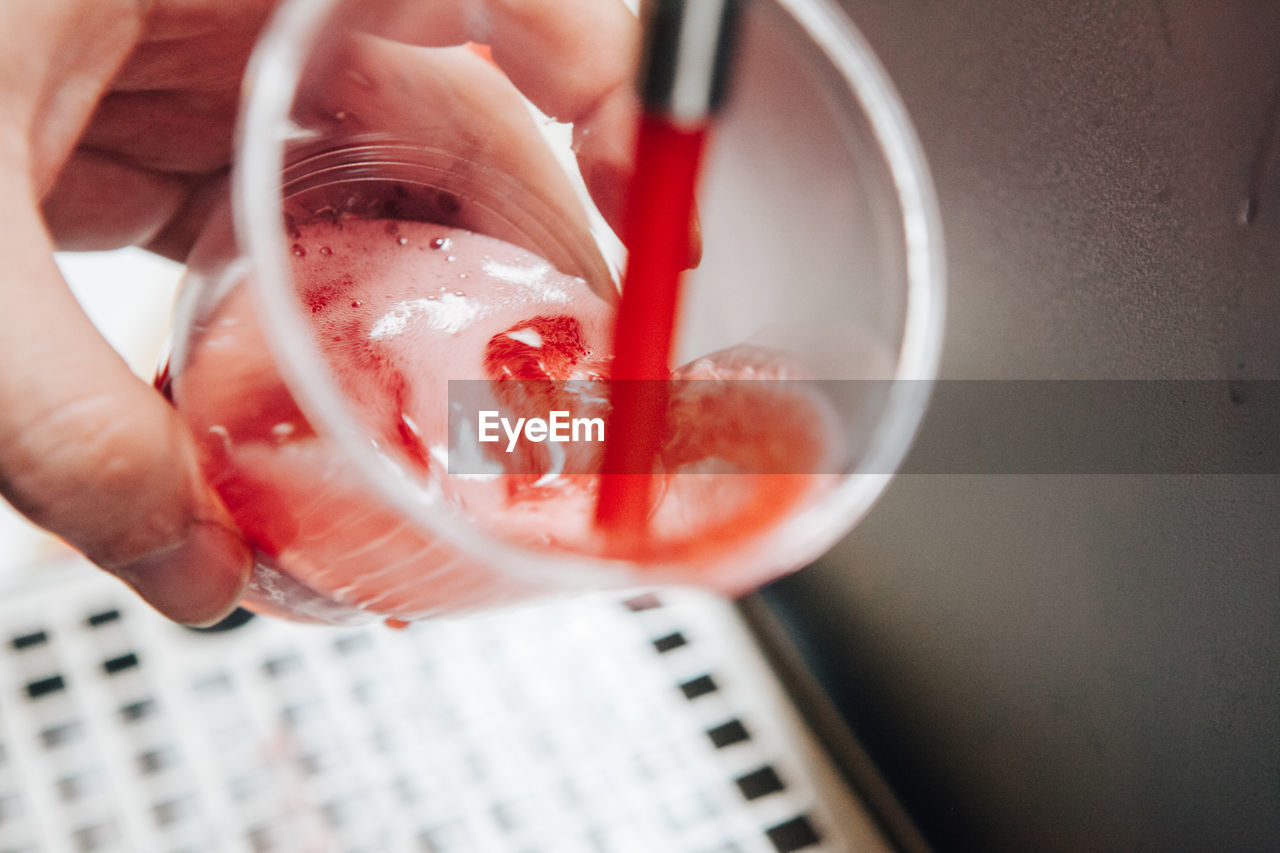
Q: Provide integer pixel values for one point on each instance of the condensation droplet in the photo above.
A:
(356, 303)
(298, 251)
(450, 258)
(326, 251)
(442, 243)
(403, 241)
(222, 434)
(462, 275)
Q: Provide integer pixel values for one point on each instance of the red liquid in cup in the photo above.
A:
(398, 308)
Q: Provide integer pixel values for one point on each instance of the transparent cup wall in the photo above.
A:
(819, 241)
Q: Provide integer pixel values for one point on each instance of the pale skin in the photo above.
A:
(116, 121)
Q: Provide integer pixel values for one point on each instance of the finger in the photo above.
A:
(168, 131)
(574, 59)
(90, 453)
(101, 203)
(565, 55)
(58, 60)
(197, 45)
(205, 194)
(450, 99)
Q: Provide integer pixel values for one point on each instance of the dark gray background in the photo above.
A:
(1079, 662)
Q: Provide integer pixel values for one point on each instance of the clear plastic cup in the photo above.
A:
(375, 145)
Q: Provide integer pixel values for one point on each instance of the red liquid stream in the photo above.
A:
(657, 225)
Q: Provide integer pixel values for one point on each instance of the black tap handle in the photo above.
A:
(689, 46)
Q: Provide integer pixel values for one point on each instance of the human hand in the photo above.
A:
(116, 118)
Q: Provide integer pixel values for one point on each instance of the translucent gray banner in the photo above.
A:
(827, 426)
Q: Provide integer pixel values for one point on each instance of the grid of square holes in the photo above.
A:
(639, 723)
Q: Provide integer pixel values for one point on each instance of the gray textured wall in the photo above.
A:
(1080, 662)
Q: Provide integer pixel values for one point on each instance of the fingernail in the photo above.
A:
(695, 237)
(197, 581)
(607, 183)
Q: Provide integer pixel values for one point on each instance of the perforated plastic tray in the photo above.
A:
(647, 722)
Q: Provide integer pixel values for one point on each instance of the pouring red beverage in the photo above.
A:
(395, 287)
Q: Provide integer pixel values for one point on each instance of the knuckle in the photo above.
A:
(90, 464)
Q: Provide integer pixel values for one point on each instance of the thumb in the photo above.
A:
(94, 455)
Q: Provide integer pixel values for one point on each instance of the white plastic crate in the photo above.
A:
(647, 722)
